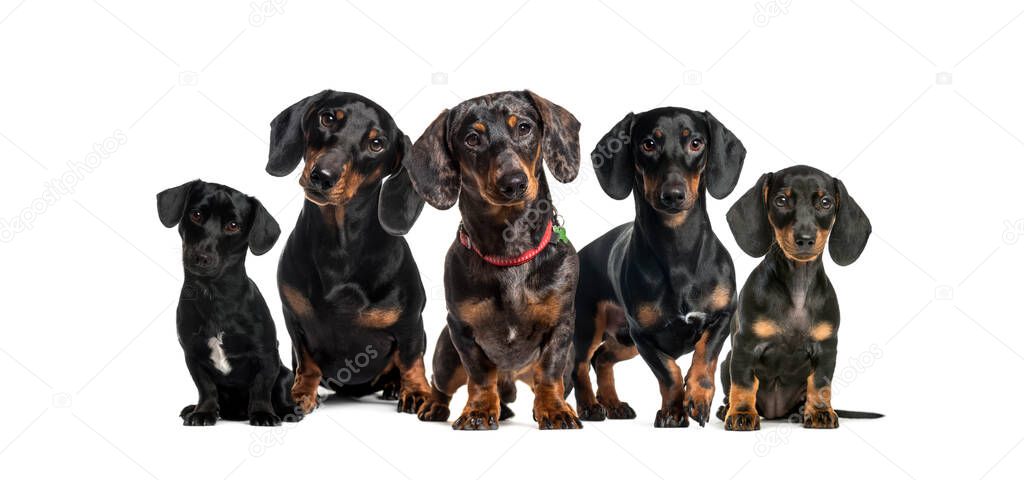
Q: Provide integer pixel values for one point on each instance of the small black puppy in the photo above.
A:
(785, 334)
(224, 325)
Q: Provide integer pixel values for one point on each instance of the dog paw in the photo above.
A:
(557, 418)
(410, 401)
(506, 413)
(264, 419)
(433, 411)
(476, 420)
(721, 412)
(592, 413)
(200, 419)
(820, 418)
(742, 421)
(672, 417)
(390, 391)
(619, 411)
(307, 403)
(698, 402)
(187, 410)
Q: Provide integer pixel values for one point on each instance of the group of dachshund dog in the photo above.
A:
(522, 305)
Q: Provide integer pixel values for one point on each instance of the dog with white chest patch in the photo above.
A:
(224, 325)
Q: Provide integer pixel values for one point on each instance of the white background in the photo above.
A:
(93, 377)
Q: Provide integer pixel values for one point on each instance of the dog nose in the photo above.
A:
(513, 185)
(804, 240)
(673, 196)
(322, 178)
(203, 260)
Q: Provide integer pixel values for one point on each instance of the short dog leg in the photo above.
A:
(549, 408)
(307, 379)
(670, 379)
(448, 376)
(605, 359)
(206, 410)
(261, 411)
(818, 412)
(742, 412)
(700, 378)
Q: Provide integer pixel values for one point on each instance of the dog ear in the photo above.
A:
(434, 173)
(400, 205)
(748, 219)
(612, 159)
(851, 228)
(264, 230)
(287, 137)
(725, 158)
(170, 203)
(560, 144)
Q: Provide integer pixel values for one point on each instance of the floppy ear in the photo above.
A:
(431, 168)
(725, 158)
(170, 203)
(560, 145)
(287, 138)
(851, 229)
(264, 230)
(748, 219)
(612, 159)
(400, 206)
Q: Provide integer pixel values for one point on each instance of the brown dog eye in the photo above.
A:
(376, 145)
(826, 203)
(781, 201)
(524, 128)
(196, 216)
(696, 144)
(326, 119)
(648, 145)
(473, 139)
(232, 227)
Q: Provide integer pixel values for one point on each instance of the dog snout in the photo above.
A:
(513, 185)
(804, 240)
(202, 260)
(322, 178)
(673, 195)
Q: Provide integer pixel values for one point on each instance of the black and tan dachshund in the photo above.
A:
(509, 278)
(663, 285)
(224, 325)
(350, 289)
(785, 334)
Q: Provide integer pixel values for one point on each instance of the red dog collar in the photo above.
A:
(508, 261)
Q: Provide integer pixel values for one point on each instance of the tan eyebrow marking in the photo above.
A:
(658, 133)
(480, 127)
(373, 133)
(821, 332)
(765, 328)
(686, 132)
(512, 120)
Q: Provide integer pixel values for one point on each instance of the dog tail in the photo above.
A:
(856, 414)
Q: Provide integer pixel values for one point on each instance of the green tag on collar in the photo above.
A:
(560, 231)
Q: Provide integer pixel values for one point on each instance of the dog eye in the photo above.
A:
(825, 202)
(524, 128)
(376, 145)
(196, 216)
(326, 119)
(648, 145)
(696, 144)
(473, 139)
(781, 201)
(232, 227)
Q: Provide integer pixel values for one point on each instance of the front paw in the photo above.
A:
(264, 419)
(390, 391)
(557, 417)
(306, 402)
(410, 401)
(742, 421)
(820, 418)
(200, 419)
(472, 419)
(618, 410)
(698, 400)
(592, 413)
(187, 410)
(433, 411)
(672, 417)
